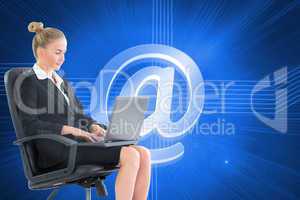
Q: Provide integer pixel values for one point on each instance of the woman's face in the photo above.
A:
(53, 55)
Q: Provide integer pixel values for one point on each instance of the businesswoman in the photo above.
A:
(52, 107)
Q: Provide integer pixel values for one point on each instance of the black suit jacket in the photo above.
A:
(43, 109)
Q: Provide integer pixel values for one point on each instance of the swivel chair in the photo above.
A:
(87, 176)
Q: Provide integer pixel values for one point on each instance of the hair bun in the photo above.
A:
(35, 27)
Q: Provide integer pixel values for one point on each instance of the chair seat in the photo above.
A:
(80, 174)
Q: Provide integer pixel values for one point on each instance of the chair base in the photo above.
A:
(53, 194)
(98, 183)
(88, 194)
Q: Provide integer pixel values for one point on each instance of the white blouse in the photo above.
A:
(41, 75)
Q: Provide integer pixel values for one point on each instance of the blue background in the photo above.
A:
(240, 41)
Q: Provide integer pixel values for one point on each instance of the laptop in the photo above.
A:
(126, 121)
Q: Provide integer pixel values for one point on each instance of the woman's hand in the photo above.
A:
(96, 129)
(86, 136)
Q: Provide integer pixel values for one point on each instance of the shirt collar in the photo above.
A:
(42, 75)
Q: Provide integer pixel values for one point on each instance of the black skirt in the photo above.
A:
(96, 155)
(86, 154)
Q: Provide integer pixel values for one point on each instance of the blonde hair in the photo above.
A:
(43, 35)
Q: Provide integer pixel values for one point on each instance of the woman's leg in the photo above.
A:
(129, 166)
(142, 182)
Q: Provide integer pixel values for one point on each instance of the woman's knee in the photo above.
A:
(129, 156)
(145, 155)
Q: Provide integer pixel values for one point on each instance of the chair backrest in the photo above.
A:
(10, 78)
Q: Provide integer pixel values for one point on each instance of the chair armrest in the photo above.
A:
(58, 138)
(53, 174)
